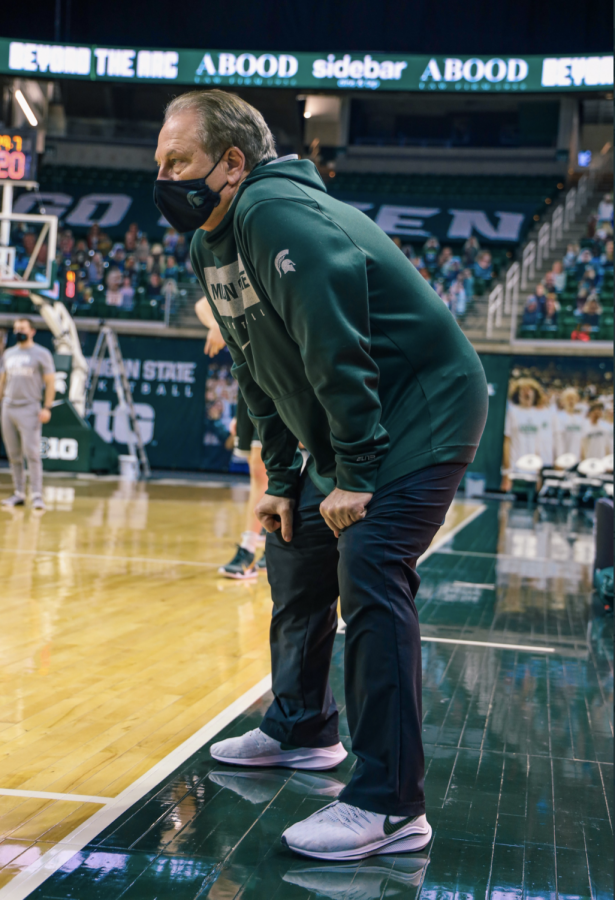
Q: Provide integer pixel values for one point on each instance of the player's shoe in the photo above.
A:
(261, 565)
(241, 565)
(15, 499)
(38, 502)
(341, 831)
(255, 748)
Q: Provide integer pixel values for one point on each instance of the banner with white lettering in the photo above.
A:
(451, 219)
(167, 377)
(357, 71)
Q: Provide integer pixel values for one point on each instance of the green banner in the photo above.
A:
(346, 70)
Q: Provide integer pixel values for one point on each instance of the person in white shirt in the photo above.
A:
(523, 426)
(605, 208)
(570, 425)
(597, 441)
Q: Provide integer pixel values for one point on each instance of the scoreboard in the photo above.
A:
(17, 154)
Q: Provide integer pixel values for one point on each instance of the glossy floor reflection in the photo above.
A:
(518, 746)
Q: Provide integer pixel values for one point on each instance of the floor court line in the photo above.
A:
(50, 795)
(143, 559)
(38, 872)
(530, 648)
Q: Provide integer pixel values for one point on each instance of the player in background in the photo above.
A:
(570, 425)
(247, 446)
(597, 440)
(522, 429)
(26, 370)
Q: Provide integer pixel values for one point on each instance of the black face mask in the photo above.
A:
(20, 337)
(186, 205)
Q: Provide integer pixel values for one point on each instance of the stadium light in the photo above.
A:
(27, 110)
(307, 115)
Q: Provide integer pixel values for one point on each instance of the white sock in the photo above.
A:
(249, 540)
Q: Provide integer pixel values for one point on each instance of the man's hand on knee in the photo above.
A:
(276, 513)
(343, 508)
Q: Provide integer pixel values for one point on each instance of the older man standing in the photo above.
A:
(338, 343)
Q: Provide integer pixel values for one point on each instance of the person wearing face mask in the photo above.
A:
(337, 343)
(26, 370)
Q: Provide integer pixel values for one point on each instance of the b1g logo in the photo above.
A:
(66, 449)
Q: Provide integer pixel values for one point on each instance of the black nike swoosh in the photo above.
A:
(392, 827)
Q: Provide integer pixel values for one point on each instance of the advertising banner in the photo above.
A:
(324, 70)
(167, 378)
(79, 208)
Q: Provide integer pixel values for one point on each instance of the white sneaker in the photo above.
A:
(255, 748)
(341, 831)
(38, 502)
(14, 500)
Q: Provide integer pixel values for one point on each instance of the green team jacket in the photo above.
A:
(337, 341)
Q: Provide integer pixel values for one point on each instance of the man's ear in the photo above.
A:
(236, 165)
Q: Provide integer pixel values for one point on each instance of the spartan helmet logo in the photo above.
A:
(194, 199)
(282, 264)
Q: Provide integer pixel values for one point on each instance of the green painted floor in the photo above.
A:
(519, 748)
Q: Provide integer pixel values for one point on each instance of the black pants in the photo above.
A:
(372, 568)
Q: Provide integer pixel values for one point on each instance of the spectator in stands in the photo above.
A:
(590, 279)
(169, 241)
(171, 270)
(450, 268)
(118, 255)
(606, 257)
(458, 296)
(430, 251)
(93, 237)
(570, 259)
(584, 260)
(157, 253)
(444, 257)
(469, 252)
(605, 208)
(155, 286)
(483, 267)
(581, 333)
(131, 237)
(96, 268)
(128, 293)
(559, 276)
(551, 311)
(548, 282)
(592, 312)
(113, 294)
(531, 314)
(468, 282)
(66, 242)
(604, 231)
(539, 296)
(182, 249)
(142, 251)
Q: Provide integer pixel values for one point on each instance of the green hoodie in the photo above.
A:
(337, 341)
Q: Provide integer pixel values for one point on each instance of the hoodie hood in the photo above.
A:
(303, 171)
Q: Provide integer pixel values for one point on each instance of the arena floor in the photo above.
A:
(122, 655)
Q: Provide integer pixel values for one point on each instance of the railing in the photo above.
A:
(494, 309)
(528, 263)
(557, 226)
(542, 251)
(503, 298)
